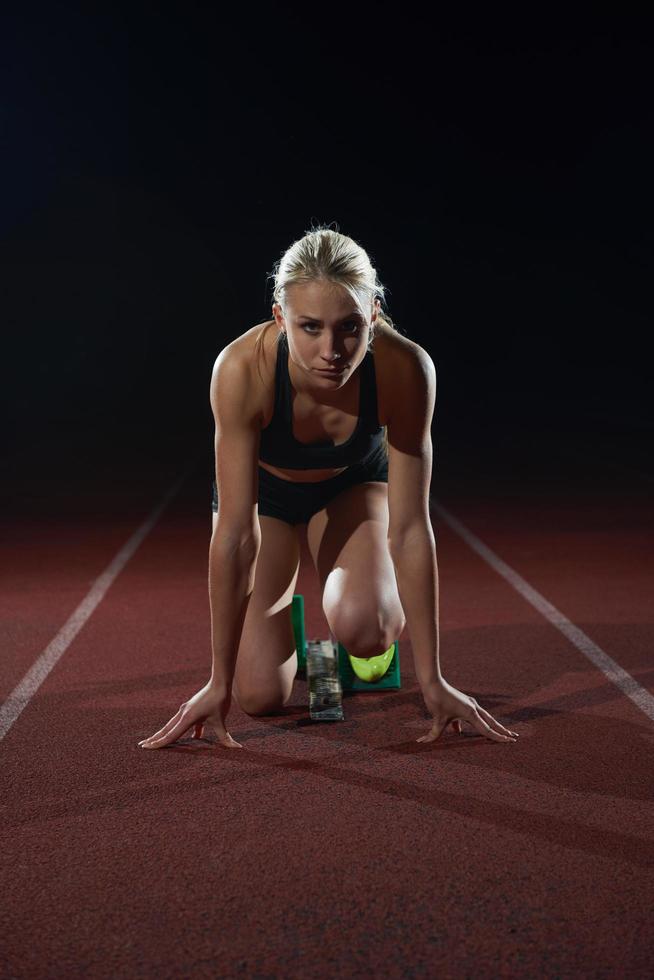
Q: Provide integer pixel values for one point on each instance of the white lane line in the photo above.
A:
(640, 696)
(27, 687)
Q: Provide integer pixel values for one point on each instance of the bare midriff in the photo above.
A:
(301, 476)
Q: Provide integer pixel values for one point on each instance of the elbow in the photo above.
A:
(412, 536)
(233, 544)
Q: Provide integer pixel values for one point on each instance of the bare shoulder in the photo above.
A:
(408, 375)
(235, 368)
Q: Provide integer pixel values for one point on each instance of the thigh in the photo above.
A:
(266, 664)
(348, 541)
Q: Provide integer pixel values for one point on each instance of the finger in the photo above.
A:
(170, 736)
(486, 730)
(436, 731)
(457, 726)
(188, 731)
(224, 738)
(229, 742)
(166, 728)
(199, 729)
(494, 723)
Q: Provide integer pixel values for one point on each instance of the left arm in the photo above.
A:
(410, 535)
(412, 545)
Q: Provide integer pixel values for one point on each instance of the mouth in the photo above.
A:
(330, 371)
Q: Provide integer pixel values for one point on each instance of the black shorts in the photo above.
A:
(296, 502)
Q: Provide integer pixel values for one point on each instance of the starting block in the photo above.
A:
(390, 680)
(349, 680)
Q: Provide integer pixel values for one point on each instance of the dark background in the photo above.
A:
(157, 161)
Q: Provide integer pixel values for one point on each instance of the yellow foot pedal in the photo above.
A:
(372, 668)
(370, 673)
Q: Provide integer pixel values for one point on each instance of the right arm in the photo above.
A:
(233, 551)
(236, 537)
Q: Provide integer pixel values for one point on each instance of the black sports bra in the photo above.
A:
(279, 447)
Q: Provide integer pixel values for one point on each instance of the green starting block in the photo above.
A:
(297, 616)
(349, 680)
(389, 681)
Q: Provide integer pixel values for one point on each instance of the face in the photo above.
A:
(322, 321)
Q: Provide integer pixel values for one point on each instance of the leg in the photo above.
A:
(348, 543)
(266, 664)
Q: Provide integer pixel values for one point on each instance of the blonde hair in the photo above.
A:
(323, 253)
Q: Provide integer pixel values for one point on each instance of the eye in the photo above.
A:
(310, 328)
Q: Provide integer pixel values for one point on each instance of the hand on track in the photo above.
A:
(210, 704)
(446, 704)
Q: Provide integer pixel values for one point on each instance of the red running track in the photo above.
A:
(329, 850)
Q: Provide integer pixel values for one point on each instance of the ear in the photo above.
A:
(376, 306)
(278, 316)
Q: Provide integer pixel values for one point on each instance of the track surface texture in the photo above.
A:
(342, 850)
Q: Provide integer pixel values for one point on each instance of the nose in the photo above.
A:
(331, 355)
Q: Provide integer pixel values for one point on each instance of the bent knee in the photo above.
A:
(262, 702)
(261, 706)
(368, 640)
